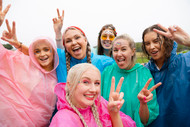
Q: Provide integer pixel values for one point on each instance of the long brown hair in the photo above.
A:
(100, 50)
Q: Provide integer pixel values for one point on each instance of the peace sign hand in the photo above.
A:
(3, 13)
(10, 35)
(58, 22)
(175, 33)
(115, 99)
(145, 95)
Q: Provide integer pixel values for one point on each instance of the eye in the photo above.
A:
(36, 51)
(77, 37)
(85, 82)
(146, 43)
(97, 83)
(67, 41)
(46, 49)
(123, 49)
(115, 50)
(111, 37)
(104, 37)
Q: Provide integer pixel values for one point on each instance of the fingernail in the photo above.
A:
(174, 29)
(118, 103)
(118, 106)
(145, 99)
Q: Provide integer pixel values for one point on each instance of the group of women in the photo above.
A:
(152, 95)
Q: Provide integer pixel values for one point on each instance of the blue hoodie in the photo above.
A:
(99, 61)
(173, 95)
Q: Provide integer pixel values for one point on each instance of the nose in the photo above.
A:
(108, 38)
(74, 42)
(92, 87)
(42, 53)
(152, 46)
(119, 52)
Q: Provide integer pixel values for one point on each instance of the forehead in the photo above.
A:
(120, 43)
(150, 36)
(42, 44)
(92, 74)
(107, 31)
(72, 32)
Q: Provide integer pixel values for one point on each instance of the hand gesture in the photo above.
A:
(10, 35)
(115, 99)
(58, 22)
(175, 33)
(145, 95)
(3, 13)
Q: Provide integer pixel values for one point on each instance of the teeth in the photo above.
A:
(119, 60)
(90, 96)
(44, 59)
(76, 48)
(154, 52)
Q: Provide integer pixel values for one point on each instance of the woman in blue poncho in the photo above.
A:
(172, 70)
(77, 49)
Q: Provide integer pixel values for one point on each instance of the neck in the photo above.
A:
(49, 67)
(131, 65)
(160, 63)
(107, 52)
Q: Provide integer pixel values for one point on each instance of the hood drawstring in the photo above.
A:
(136, 77)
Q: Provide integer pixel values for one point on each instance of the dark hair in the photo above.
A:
(167, 43)
(100, 50)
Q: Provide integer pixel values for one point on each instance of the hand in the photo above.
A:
(3, 13)
(175, 33)
(58, 22)
(145, 95)
(115, 99)
(10, 35)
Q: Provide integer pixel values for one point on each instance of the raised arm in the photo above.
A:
(115, 103)
(57, 25)
(10, 36)
(175, 33)
(145, 96)
(3, 13)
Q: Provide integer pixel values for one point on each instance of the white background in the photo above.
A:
(34, 17)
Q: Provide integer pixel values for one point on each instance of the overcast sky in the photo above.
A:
(34, 17)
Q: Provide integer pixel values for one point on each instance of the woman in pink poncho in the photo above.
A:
(27, 84)
(80, 104)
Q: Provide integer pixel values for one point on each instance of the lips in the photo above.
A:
(90, 96)
(107, 43)
(43, 59)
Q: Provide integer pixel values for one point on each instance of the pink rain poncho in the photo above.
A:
(27, 96)
(67, 117)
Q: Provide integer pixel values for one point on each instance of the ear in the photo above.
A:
(133, 51)
(68, 86)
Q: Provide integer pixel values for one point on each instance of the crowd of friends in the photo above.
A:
(68, 83)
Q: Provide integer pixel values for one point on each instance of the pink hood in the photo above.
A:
(71, 119)
(26, 90)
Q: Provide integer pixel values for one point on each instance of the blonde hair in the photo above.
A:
(76, 73)
(131, 44)
(68, 56)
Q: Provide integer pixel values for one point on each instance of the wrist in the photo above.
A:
(19, 45)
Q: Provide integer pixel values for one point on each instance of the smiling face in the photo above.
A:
(122, 54)
(75, 43)
(107, 37)
(87, 90)
(43, 53)
(154, 46)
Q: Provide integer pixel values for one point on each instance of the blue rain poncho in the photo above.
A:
(99, 61)
(174, 93)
